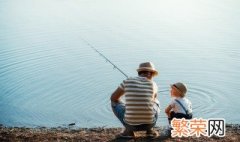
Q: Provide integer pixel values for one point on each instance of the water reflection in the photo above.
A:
(49, 76)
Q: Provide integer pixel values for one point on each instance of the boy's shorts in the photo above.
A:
(178, 115)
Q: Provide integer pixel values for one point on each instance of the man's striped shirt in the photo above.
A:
(139, 93)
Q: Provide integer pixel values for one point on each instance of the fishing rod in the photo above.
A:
(114, 66)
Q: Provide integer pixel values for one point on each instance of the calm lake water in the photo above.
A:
(50, 77)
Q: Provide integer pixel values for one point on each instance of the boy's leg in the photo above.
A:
(172, 114)
(176, 115)
(167, 131)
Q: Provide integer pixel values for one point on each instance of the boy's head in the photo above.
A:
(179, 89)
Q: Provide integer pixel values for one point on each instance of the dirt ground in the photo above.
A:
(43, 134)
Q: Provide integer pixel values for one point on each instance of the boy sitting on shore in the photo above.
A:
(180, 106)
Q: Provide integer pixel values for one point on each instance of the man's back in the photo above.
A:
(139, 92)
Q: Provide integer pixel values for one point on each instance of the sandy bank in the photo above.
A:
(98, 134)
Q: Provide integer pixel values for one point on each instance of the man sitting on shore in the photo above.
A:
(141, 108)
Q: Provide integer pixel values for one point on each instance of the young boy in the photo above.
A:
(180, 106)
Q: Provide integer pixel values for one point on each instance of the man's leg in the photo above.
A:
(149, 127)
(119, 110)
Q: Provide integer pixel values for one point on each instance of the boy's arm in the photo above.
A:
(167, 110)
(115, 97)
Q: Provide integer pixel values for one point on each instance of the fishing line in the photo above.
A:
(114, 66)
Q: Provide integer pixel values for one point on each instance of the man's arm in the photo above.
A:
(155, 89)
(117, 94)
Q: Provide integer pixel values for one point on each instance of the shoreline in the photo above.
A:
(100, 134)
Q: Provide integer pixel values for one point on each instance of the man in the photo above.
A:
(141, 107)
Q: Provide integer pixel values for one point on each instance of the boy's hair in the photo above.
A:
(181, 87)
(182, 95)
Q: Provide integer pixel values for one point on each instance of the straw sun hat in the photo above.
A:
(148, 66)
